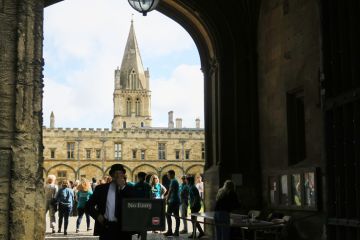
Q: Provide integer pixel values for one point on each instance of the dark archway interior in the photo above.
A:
(281, 109)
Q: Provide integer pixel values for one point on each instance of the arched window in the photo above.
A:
(142, 124)
(128, 107)
(133, 80)
(124, 124)
(137, 107)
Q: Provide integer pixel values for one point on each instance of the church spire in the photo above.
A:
(132, 73)
(132, 95)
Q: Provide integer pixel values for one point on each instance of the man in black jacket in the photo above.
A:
(105, 205)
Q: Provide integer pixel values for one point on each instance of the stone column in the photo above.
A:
(103, 140)
(78, 140)
(22, 215)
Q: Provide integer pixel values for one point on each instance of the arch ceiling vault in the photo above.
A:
(225, 34)
(253, 57)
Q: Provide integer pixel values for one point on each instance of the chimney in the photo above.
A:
(52, 120)
(197, 123)
(171, 121)
(178, 123)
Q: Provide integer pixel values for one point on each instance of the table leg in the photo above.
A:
(243, 233)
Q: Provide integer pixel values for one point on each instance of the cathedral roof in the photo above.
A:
(132, 62)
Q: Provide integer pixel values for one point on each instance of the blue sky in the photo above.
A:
(84, 41)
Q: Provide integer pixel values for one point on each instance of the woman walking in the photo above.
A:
(65, 198)
(195, 206)
(83, 194)
(50, 193)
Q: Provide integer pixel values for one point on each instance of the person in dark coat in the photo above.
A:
(195, 206)
(142, 190)
(226, 202)
(105, 205)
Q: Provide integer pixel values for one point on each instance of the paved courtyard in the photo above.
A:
(87, 235)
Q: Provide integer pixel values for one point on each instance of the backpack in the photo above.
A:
(195, 205)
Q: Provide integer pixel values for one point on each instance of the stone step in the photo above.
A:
(150, 236)
(71, 237)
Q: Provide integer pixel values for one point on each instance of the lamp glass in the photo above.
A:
(143, 6)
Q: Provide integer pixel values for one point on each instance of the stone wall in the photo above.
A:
(135, 139)
(22, 202)
(289, 60)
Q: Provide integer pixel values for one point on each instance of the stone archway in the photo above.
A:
(90, 171)
(146, 168)
(178, 171)
(63, 171)
(22, 86)
(128, 172)
(195, 170)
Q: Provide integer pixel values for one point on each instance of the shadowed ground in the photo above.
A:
(87, 235)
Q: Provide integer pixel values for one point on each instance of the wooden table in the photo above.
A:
(241, 221)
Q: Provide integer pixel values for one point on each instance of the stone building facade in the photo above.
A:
(76, 153)
(261, 61)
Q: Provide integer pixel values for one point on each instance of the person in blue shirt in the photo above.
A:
(65, 199)
(83, 195)
(158, 190)
(131, 184)
(184, 202)
(173, 202)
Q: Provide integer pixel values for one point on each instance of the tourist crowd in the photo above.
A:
(84, 197)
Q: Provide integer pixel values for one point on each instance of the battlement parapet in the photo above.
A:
(126, 131)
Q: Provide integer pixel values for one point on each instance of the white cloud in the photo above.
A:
(182, 93)
(84, 43)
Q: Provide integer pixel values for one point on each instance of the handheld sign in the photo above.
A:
(143, 214)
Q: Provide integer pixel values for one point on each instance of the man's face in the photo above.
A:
(183, 180)
(119, 178)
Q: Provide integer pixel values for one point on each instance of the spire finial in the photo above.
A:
(132, 18)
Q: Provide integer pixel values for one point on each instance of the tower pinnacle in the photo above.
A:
(52, 120)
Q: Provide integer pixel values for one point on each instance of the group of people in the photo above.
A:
(101, 201)
(179, 198)
(65, 199)
(104, 207)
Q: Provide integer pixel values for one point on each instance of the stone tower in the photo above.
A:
(132, 95)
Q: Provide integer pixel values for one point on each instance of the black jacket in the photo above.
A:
(227, 202)
(97, 205)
